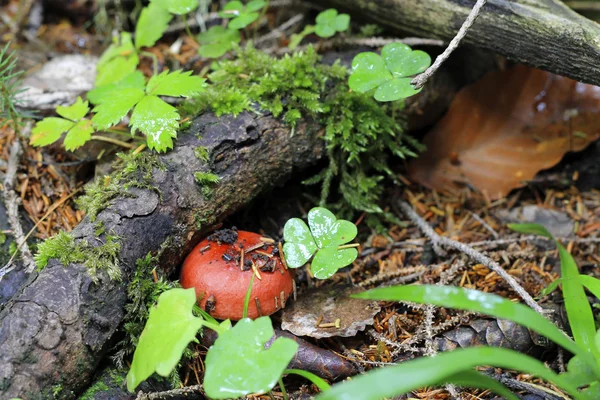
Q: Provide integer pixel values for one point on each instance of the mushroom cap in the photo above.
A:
(216, 275)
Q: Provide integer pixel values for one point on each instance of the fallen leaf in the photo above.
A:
(501, 131)
(314, 313)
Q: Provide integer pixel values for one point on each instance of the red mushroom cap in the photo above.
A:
(213, 268)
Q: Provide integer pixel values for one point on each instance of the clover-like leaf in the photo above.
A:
(170, 327)
(152, 23)
(49, 130)
(75, 111)
(118, 60)
(157, 120)
(79, 135)
(329, 22)
(242, 15)
(178, 7)
(329, 259)
(299, 244)
(175, 84)
(238, 363)
(389, 73)
(217, 41)
(328, 230)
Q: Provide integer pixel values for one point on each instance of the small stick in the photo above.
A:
(438, 240)
(256, 246)
(205, 248)
(242, 260)
(267, 240)
(348, 246)
(256, 271)
(264, 254)
(420, 80)
(281, 255)
(328, 325)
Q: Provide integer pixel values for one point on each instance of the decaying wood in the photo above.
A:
(56, 329)
(545, 34)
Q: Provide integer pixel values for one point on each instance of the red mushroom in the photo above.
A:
(221, 266)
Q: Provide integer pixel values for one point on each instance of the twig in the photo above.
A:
(420, 80)
(438, 241)
(381, 41)
(583, 5)
(11, 200)
(169, 394)
(540, 391)
(484, 224)
(280, 30)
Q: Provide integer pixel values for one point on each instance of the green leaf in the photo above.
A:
(217, 41)
(299, 244)
(49, 130)
(74, 112)
(157, 120)
(396, 89)
(314, 379)
(242, 16)
(238, 363)
(243, 20)
(79, 135)
(394, 381)
(478, 380)
(104, 93)
(474, 300)
(170, 327)
(368, 72)
(119, 60)
(531, 229)
(550, 288)
(112, 109)
(329, 259)
(255, 5)
(175, 84)
(579, 373)
(329, 22)
(296, 38)
(152, 24)
(178, 7)
(402, 61)
(389, 72)
(327, 230)
(592, 284)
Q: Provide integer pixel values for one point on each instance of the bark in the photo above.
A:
(55, 330)
(545, 34)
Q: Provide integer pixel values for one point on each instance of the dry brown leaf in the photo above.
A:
(501, 131)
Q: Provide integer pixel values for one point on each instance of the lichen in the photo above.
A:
(361, 134)
(67, 250)
(131, 170)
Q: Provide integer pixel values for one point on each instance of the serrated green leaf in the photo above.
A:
(327, 230)
(170, 327)
(368, 72)
(402, 61)
(175, 84)
(299, 244)
(112, 109)
(49, 130)
(389, 382)
(78, 135)
(329, 259)
(396, 89)
(178, 7)
(217, 41)
(118, 60)
(238, 363)
(152, 24)
(157, 120)
(74, 112)
(106, 92)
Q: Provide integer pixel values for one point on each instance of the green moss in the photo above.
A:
(201, 153)
(362, 136)
(90, 393)
(64, 248)
(132, 170)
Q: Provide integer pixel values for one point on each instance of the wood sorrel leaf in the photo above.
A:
(329, 22)
(327, 230)
(398, 88)
(178, 7)
(368, 72)
(238, 363)
(402, 61)
(217, 41)
(329, 259)
(170, 327)
(299, 244)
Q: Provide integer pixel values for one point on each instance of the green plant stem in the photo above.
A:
(213, 326)
(117, 132)
(154, 60)
(282, 388)
(262, 14)
(187, 28)
(113, 141)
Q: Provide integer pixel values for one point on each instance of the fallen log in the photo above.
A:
(544, 34)
(55, 330)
